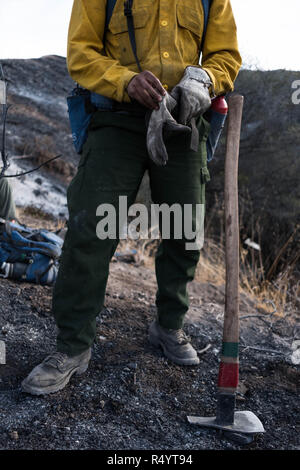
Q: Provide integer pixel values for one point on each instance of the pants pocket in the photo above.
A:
(84, 156)
(205, 175)
(204, 129)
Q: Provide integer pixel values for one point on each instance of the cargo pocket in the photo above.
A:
(190, 19)
(77, 185)
(119, 29)
(190, 22)
(205, 175)
(204, 179)
(84, 156)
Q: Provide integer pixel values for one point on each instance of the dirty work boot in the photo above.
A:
(54, 372)
(174, 343)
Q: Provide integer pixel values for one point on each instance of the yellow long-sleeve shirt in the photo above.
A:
(168, 37)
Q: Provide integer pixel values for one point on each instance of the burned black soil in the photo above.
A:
(131, 397)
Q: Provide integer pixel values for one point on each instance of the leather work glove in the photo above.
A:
(161, 125)
(192, 94)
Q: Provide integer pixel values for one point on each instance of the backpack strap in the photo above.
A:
(206, 7)
(110, 5)
(128, 13)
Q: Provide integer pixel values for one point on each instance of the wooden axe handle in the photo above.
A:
(229, 365)
(231, 320)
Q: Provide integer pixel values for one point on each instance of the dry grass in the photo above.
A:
(278, 294)
(270, 297)
(274, 290)
(37, 218)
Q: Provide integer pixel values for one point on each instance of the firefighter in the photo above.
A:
(168, 37)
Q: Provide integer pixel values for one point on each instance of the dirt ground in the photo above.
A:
(131, 397)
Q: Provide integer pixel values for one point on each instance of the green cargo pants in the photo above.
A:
(7, 205)
(113, 163)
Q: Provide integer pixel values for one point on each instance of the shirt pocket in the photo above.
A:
(120, 35)
(190, 25)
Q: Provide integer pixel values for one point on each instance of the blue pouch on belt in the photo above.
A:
(78, 116)
(81, 105)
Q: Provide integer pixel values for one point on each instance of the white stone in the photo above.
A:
(2, 353)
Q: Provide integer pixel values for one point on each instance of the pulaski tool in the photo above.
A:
(239, 426)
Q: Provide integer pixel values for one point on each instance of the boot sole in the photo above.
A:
(182, 362)
(53, 388)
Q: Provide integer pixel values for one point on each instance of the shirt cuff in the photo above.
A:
(128, 75)
(213, 89)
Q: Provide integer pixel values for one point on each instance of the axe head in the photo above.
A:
(245, 422)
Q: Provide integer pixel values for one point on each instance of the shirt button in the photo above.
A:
(165, 86)
(164, 23)
(166, 55)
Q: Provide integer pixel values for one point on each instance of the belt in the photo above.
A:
(134, 108)
(103, 103)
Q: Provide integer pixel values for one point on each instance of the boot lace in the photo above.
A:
(181, 336)
(55, 360)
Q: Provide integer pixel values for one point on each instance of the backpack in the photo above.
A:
(82, 102)
(27, 254)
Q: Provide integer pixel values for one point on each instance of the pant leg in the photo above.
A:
(7, 205)
(181, 181)
(112, 164)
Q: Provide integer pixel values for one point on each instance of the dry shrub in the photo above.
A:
(42, 150)
(275, 287)
(36, 218)
(270, 277)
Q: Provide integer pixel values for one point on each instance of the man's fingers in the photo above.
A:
(146, 89)
(155, 84)
(143, 98)
(154, 95)
(148, 99)
(146, 96)
(153, 80)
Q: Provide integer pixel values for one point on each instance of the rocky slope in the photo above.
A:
(269, 166)
(269, 158)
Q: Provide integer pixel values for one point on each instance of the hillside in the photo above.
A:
(131, 397)
(269, 165)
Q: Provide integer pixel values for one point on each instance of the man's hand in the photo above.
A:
(146, 89)
(192, 94)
